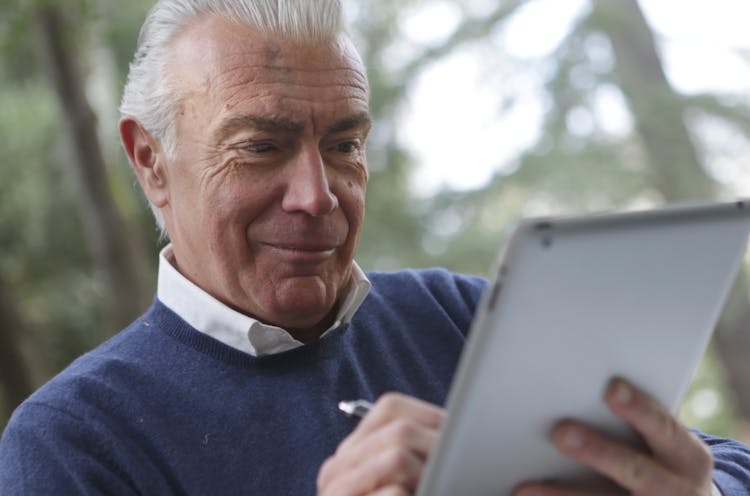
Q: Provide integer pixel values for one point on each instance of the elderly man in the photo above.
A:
(245, 122)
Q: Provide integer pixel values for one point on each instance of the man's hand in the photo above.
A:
(679, 464)
(386, 453)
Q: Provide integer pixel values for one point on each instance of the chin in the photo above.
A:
(305, 310)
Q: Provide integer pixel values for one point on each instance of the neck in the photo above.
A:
(309, 334)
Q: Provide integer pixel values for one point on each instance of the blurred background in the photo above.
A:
(486, 111)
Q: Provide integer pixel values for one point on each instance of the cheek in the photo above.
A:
(352, 202)
(238, 200)
(352, 196)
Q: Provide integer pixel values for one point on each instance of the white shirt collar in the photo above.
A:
(210, 316)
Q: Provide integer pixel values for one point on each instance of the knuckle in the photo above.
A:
(344, 446)
(394, 491)
(697, 460)
(668, 424)
(390, 400)
(402, 431)
(324, 473)
(399, 466)
(703, 455)
(396, 459)
(657, 482)
(644, 477)
(637, 471)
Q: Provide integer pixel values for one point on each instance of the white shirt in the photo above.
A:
(212, 317)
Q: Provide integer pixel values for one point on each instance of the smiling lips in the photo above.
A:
(300, 240)
(303, 252)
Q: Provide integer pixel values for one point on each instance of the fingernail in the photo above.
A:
(623, 394)
(572, 438)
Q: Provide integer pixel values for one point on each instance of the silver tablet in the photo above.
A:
(575, 302)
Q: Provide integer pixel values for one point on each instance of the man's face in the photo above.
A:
(266, 193)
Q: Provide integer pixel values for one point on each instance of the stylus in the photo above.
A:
(357, 408)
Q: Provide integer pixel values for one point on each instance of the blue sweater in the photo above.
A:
(164, 409)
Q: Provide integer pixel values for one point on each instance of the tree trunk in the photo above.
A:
(674, 163)
(114, 245)
(676, 169)
(14, 375)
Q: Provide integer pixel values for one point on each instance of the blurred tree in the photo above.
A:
(72, 266)
(14, 376)
(609, 56)
(675, 168)
(116, 247)
(397, 232)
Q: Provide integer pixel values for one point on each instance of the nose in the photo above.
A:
(308, 188)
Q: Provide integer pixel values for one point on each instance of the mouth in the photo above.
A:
(301, 252)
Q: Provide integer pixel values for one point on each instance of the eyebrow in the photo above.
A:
(234, 124)
(280, 124)
(362, 119)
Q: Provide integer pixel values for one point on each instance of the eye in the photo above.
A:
(255, 146)
(259, 147)
(348, 147)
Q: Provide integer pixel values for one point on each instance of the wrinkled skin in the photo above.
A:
(264, 200)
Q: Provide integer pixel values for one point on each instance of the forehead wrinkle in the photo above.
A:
(263, 75)
(235, 94)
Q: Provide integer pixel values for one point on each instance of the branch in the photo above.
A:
(468, 31)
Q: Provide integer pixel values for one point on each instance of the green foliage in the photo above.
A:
(15, 45)
(43, 257)
(708, 404)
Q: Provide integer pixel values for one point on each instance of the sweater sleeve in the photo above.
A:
(731, 465)
(48, 451)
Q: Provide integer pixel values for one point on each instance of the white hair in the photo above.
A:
(148, 95)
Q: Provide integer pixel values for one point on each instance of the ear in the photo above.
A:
(147, 158)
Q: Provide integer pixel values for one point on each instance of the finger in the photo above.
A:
(539, 489)
(396, 421)
(671, 442)
(401, 433)
(391, 491)
(632, 470)
(394, 468)
(396, 405)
